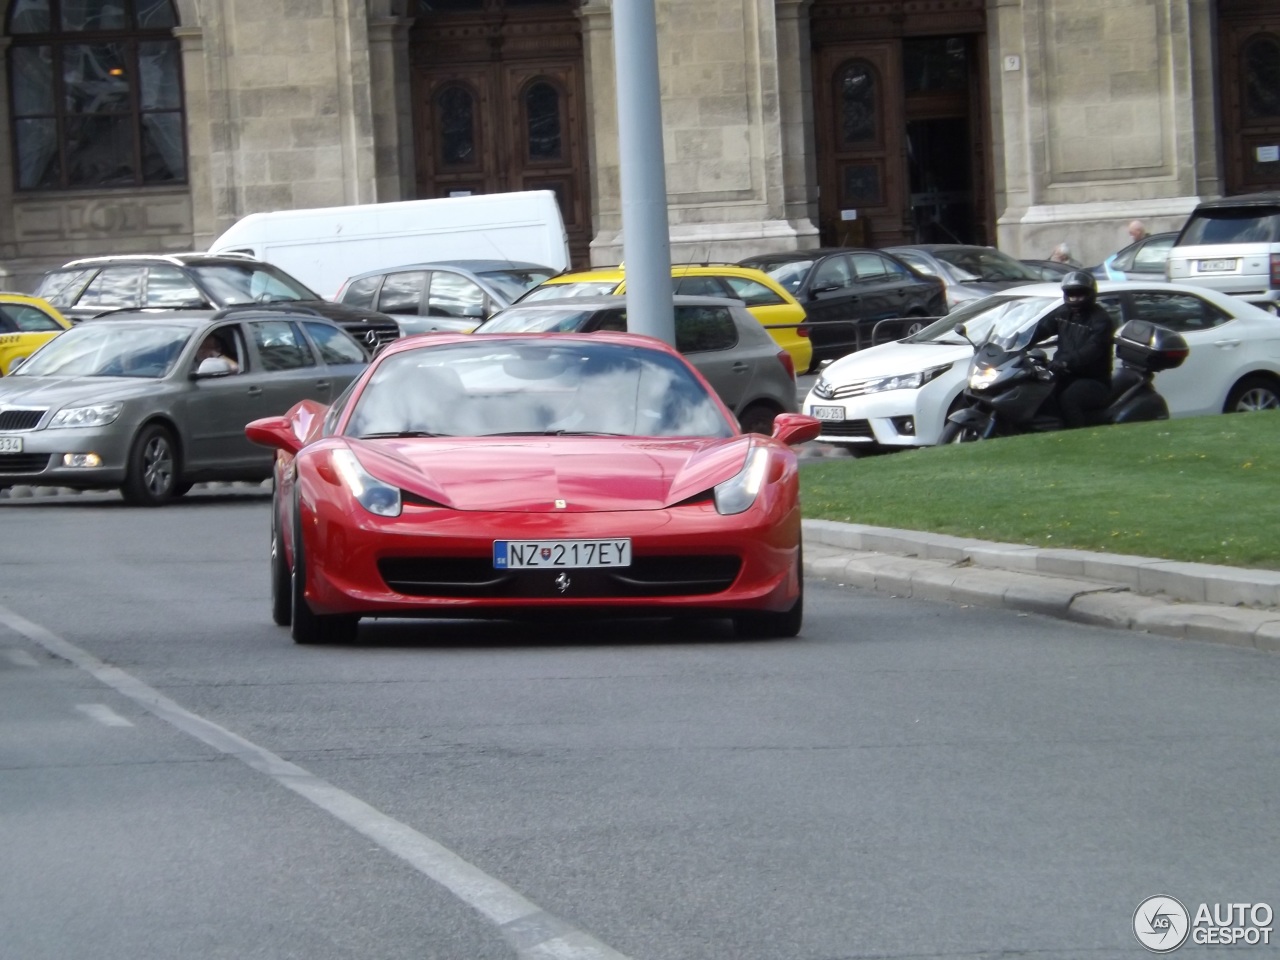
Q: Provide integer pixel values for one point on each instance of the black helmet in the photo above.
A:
(1079, 287)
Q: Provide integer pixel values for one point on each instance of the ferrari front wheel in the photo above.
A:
(281, 585)
(307, 626)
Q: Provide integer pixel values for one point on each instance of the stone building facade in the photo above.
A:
(1021, 123)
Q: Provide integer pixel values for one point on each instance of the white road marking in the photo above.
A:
(535, 934)
(103, 714)
(20, 658)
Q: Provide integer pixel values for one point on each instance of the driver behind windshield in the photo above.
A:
(1082, 362)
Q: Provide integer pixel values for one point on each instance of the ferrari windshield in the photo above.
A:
(518, 386)
(979, 316)
(109, 349)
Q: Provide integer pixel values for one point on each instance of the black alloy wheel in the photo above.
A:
(151, 478)
(758, 418)
(281, 582)
(308, 627)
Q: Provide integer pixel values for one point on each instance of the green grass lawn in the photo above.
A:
(1205, 489)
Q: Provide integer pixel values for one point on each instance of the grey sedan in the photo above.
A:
(155, 403)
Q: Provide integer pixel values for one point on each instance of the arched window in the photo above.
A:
(542, 112)
(95, 94)
(858, 102)
(456, 126)
(1261, 62)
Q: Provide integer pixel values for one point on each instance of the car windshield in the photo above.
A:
(512, 284)
(537, 320)
(514, 386)
(790, 274)
(232, 283)
(576, 288)
(978, 317)
(109, 350)
(980, 264)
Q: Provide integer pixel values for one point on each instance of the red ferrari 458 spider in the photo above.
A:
(505, 476)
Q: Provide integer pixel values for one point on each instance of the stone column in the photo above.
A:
(390, 87)
(602, 131)
(795, 109)
(8, 250)
(200, 153)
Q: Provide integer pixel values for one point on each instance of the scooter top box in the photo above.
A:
(1149, 346)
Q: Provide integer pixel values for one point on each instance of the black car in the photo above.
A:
(847, 293)
(197, 281)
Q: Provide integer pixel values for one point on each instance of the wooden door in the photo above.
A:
(1250, 91)
(858, 114)
(499, 105)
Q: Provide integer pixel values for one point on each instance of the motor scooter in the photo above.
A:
(1010, 383)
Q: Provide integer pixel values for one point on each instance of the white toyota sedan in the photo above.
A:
(900, 394)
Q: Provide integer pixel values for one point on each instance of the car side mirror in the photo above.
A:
(794, 428)
(474, 310)
(274, 432)
(213, 367)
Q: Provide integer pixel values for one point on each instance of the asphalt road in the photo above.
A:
(905, 780)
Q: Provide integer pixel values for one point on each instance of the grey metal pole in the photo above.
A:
(646, 242)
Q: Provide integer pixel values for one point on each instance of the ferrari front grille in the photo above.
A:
(674, 576)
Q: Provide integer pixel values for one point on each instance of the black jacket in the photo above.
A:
(1084, 341)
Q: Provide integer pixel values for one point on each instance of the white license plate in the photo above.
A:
(560, 554)
(827, 413)
(1216, 266)
(10, 444)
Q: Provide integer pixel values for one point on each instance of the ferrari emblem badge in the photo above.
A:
(560, 504)
(562, 582)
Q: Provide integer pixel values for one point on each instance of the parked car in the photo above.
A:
(515, 475)
(1050, 271)
(25, 324)
(969, 271)
(196, 281)
(854, 298)
(751, 373)
(445, 296)
(1141, 260)
(1232, 245)
(132, 403)
(899, 394)
(767, 301)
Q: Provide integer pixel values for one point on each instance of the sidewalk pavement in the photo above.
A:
(1194, 601)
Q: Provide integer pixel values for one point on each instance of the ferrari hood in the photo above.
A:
(531, 475)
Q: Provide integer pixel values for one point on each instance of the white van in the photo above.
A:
(323, 247)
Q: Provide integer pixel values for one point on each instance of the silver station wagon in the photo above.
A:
(153, 404)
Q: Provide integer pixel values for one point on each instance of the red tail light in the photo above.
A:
(785, 359)
(1275, 270)
(803, 331)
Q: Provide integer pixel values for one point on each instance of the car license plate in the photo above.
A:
(1216, 266)
(10, 444)
(827, 413)
(560, 554)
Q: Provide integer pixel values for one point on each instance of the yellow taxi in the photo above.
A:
(775, 308)
(25, 323)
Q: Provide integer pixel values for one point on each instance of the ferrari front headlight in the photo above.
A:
(95, 415)
(371, 493)
(739, 492)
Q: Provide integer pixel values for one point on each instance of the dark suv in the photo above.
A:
(197, 281)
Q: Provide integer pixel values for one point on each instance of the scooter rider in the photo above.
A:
(1082, 362)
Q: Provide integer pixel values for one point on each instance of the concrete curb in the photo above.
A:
(1188, 600)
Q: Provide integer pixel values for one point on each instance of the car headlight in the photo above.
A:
(907, 381)
(371, 493)
(739, 492)
(96, 415)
